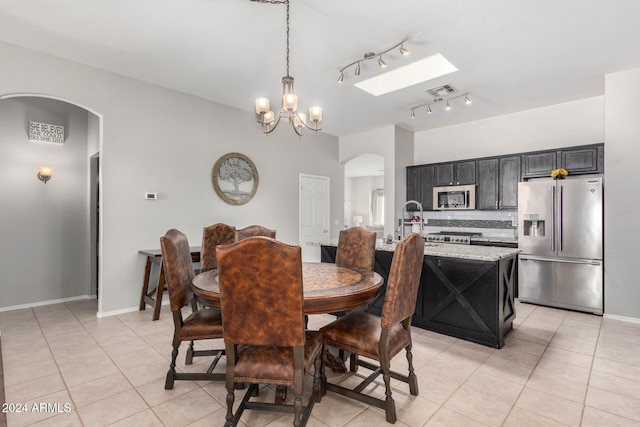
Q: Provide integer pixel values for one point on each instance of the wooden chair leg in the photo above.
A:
(159, 293)
(190, 352)
(171, 374)
(412, 378)
(145, 284)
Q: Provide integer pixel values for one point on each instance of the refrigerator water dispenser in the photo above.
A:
(533, 225)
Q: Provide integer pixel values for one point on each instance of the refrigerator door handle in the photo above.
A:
(553, 218)
(561, 217)
(566, 261)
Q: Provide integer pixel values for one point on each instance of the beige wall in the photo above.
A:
(162, 141)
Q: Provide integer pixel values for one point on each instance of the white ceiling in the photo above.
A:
(512, 55)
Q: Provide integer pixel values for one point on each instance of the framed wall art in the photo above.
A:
(235, 178)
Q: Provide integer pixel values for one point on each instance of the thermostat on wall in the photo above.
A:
(151, 196)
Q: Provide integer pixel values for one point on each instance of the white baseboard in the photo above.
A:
(621, 318)
(41, 303)
(165, 301)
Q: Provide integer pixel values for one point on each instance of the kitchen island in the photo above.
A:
(465, 291)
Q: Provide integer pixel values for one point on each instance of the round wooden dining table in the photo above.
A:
(327, 288)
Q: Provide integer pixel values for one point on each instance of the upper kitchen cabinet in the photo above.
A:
(455, 173)
(538, 164)
(498, 183)
(581, 160)
(420, 183)
(576, 160)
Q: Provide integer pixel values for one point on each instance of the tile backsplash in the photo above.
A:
(489, 223)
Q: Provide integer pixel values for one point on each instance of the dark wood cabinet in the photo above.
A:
(497, 177)
(455, 173)
(444, 174)
(498, 183)
(582, 160)
(576, 160)
(420, 182)
(538, 164)
(509, 168)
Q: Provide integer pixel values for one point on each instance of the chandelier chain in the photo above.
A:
(287, 3)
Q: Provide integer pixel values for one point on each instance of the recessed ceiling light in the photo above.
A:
(408, 75)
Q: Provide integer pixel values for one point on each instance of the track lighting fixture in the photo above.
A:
(288, 111)
(370, 55)
(447, 106)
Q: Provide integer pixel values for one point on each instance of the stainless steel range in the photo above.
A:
(456, 237)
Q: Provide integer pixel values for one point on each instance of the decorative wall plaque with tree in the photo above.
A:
(235, 178)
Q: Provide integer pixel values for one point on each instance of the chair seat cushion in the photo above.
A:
(359, 333)
(274, 365)
(201, 325)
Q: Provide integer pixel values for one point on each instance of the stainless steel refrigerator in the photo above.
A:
(560, 234)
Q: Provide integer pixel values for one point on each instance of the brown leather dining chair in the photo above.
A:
(254, 230)
(261, 298)
(212, 236)
(201, 324)
(382, 338)
(356, 249)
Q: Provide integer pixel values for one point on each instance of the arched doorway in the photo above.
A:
(54, 252)
(364, 192)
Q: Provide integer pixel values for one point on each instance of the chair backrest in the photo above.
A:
(261, 295)
(253, 231)
(212, 236)
(356, 249)
(404, 280)
(178, 268)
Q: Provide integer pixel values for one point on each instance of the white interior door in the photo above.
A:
(314, 214)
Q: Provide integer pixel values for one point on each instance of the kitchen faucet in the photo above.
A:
(404, 211)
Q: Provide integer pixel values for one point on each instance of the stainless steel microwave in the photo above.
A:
(454, 197)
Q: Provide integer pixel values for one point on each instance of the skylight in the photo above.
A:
(408, 75)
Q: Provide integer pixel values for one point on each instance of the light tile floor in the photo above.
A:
(557, 368)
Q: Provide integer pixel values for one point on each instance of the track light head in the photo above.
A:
(413, 114)
(448, 106)
(381, 63)
(403, 51)
(429, 109)
(467, 100)
(341, 78)
(357, 69)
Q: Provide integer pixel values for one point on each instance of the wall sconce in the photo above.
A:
(44, 174)
(357, 220)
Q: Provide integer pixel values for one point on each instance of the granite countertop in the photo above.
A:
(478, 253)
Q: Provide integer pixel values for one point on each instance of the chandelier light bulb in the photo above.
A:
(315, 114)
(300, 120)
(262, 105)
(290, 102)
(268, 117)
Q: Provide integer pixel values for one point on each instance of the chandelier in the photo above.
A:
(288, 109)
